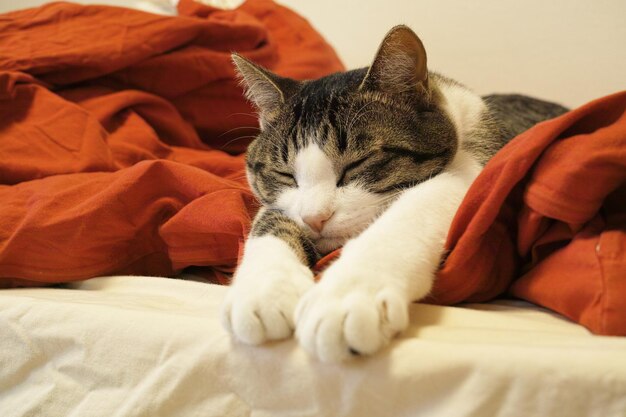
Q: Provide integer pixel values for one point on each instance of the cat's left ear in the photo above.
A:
(400, 64)
(265, 89)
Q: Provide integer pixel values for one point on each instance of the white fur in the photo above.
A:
(266, 288)
(464, 108)
(350, 209)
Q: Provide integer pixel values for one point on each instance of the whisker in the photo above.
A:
(234, 140)
(357, 115)
(238, 178)
(238, 128)
(360, 116)
(243, 114)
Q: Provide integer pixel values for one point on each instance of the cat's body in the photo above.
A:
(376, 160)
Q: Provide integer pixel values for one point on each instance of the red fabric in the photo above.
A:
(549, 207)
(113, 129)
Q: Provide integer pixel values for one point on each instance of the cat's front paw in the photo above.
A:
(260, 305)
(348, 313)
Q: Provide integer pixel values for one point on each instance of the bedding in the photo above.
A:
(550, 211)
(121, 134)
(120, 152)
(147, 346)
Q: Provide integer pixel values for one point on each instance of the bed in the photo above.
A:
(147, 346)
(129, 345)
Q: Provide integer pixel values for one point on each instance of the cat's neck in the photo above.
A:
(465, 108)
(476, 129)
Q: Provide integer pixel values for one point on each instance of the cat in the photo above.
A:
(374, 160)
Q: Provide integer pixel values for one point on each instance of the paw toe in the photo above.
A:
(333, 327)
(247, 325)
(276, 324)
(393, 311)
(330, 342)
(306, 332)
(362, 327)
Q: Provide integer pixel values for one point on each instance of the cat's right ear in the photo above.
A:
(265, 89)
(400, 65)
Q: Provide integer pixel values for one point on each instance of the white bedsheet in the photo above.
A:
(142, 346)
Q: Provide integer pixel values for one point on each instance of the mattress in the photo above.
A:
(146, 346)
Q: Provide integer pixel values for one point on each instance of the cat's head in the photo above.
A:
(334, 152)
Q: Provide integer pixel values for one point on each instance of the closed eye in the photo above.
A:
(287, 176)
(348, 168)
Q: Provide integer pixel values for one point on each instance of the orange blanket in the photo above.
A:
(113, 131)
(549, 208)
(114, 127)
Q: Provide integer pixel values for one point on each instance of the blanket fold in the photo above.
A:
(121, 135)
(549, 208)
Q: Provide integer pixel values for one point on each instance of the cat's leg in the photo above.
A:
(362, 299)
(271, 279)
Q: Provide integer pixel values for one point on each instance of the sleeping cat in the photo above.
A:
(376, 160)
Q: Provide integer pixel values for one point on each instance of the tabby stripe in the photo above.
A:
(297, 112)
(270, 182)
(362, 142)
(323, 136)
(292, 135)
(275, 223)
(310, 252)
(379, 165)
(341, 134)
(355, 164)
(342, 139)
(415, 155)
(256, 167)
(397, 187)
(281, 231)
(285, 183)
(349, 167)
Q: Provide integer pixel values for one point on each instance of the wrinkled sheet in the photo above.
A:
(120, 141)
(146, 346)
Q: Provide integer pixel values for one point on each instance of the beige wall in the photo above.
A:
(569, 51)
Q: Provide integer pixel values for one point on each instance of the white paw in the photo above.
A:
(260, 305)
(348, 313)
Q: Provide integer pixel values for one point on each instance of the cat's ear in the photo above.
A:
(400, 64)
(265, 89)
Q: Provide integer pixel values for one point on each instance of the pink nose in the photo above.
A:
(316, 221)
